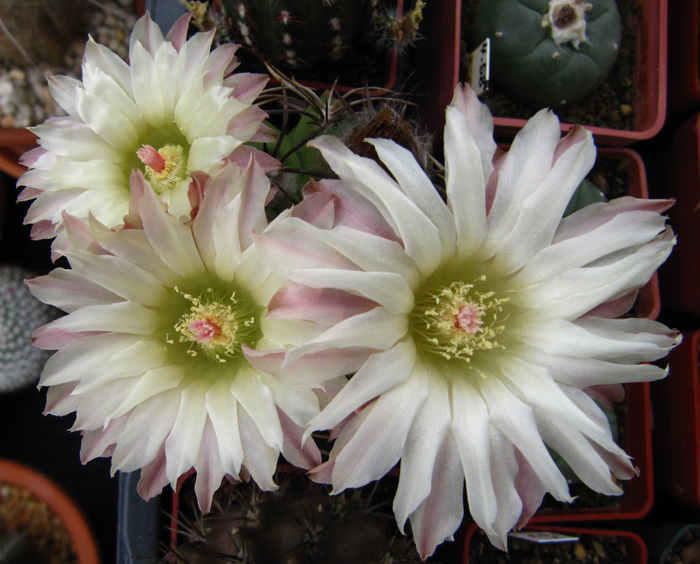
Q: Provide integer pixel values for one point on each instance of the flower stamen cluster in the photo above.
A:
(164, 168)
(457, 320)
(215, 326)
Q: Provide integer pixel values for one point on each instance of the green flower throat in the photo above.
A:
(212, 325)
(458, 320)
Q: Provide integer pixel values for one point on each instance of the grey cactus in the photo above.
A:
(20, 315)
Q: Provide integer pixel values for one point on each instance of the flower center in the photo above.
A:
(458, 320)
(164, 168)
(214, 326)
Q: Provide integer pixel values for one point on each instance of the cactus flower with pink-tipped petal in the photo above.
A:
(492, 322)
(152, 355)
(174, 109)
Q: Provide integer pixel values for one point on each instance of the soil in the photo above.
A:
(610, 106)
(686, 550)
(22, 513)
(590, 549)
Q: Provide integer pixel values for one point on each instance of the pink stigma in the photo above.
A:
(204, 330)
(151, 158)
(469, 318)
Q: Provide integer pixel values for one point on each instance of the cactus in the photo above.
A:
(298, 524)
(317, 39)
(547, 54)
(20, 315)
(587, 193)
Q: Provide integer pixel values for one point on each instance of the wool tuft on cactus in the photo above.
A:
(547, 54)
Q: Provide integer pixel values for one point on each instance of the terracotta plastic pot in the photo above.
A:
(635, 549)
(442, 30)
(680, 171)
(60, 504)
(683, 57)
(677, 403)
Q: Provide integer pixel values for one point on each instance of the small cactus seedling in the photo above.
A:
(549, 53)
(298, 524)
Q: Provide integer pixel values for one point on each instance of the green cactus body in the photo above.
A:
(302, 34)
(544, 58)
(586, 194)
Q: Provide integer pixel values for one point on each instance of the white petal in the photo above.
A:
(210, 470)
(516, 421)
(469, 150)
(107, 121)
(575, 292)
(427, 434)
(386, 288)
(222, 408)
(378, 443)
(135, 448)
(151, 383)
(504, 472)
(182, 445)
(207, 152)
(418, 187)
(171, 240)
(299, 403)
(121, 277)
(439, 516)
(584, 372)
(420, 236)
(622, 231)
(524, 167)
(470, 426)
(627, 341)
(256, 399)
(124, 317)
(100, 84)
(68, 290)
(259, 458)
(376, 328)
(379, 374)
(540, 212)
(83, 355)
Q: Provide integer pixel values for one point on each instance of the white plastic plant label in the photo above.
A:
(480, 67)
(542, 537)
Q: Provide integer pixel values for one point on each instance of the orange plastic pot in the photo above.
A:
(677, 403)
(438, 73)
(60, 504)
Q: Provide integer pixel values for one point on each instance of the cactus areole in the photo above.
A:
(547, 54)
